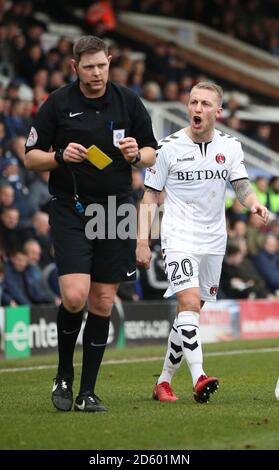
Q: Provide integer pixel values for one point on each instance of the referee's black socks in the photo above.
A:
(95, 337)
(68, 328)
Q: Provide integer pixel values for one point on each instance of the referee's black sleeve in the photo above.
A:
(45, 127)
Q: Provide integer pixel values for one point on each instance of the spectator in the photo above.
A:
(33, 251)
(151, 91)
(273, 195)
(12, 235)
(262, 135)
(260, 186)
(14, 286)
(11, 173)
(236, 211)
(3, 133)
(248, 271)
(170, 91)
(254, 235)
(56, 80)
(15, 121)
(234, 283)
(41, 232)
(267, 262)
(20, 287)
(2, 277)
(7, 196)
(119, 75)
(101, 15)
(237, 228)
(33, 61)
(39, 197)
(17, 149)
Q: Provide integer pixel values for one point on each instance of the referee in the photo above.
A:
(90, 111)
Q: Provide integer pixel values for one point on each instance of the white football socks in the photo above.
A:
(190, 341)
(173, 357)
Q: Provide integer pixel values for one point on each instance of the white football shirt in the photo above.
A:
(194, 177)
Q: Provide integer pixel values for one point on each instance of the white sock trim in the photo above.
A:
(188, 317)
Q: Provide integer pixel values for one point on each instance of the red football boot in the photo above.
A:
(204, 387)
(163, 392)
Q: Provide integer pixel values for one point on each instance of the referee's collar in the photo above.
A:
(106, 98)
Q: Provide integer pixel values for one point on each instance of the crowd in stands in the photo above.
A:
(29, 73)
(253, 21)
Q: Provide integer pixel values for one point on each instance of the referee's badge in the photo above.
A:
(117, 135)
(32, 138)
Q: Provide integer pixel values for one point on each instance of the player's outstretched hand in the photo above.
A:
(261, 210)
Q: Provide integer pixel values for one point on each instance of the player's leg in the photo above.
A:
(174, 356)
(162, 390)
(189, 331)
(182, 272)
(209, 276)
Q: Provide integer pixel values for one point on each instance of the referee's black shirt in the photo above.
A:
(68, 116)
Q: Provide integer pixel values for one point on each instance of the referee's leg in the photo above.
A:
(100, 302)
(74, 292)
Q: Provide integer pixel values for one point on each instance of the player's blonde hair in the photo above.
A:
(211, 86)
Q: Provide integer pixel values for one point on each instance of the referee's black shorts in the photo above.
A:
(106, 260)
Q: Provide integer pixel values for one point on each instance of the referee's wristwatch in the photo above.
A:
(136, 159)
(58, 156)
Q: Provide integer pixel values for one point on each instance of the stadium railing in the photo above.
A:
(209, 50)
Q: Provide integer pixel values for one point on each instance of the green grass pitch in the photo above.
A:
(244, 414)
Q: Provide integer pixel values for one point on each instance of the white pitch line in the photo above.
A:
(144, 359)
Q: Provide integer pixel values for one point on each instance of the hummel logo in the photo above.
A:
(130, 274)
(187, 159)
(74, 114)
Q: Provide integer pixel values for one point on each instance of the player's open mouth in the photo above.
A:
(197, 121)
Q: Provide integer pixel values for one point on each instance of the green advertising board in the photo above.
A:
(17, 321)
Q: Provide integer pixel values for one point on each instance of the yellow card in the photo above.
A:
(97, 157)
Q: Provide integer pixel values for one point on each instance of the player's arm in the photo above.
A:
(247, 197)
(147, 211)
(148, 157)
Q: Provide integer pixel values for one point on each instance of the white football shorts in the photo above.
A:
(193, 270)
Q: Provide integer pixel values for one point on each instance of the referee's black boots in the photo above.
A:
(89, 402)
(62, 393)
